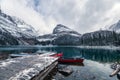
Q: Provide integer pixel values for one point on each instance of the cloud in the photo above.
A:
(20, 9)
(99, 13)
(80, 15)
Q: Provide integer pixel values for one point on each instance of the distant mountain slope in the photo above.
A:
(14, 31)
(100, 38)
(62, 35)
(115, 27)
(16, 27)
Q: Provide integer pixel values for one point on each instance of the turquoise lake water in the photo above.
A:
(96, 65)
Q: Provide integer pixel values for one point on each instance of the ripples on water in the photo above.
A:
(96, 65)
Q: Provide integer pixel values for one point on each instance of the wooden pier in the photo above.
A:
(35, 67)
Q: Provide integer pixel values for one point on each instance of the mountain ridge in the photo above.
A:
(62, 35)
(14, 29)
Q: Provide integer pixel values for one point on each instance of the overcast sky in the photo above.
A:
(80, 15)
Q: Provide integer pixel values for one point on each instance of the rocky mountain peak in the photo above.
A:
(63, 29)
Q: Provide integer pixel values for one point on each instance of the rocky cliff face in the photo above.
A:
(14, 31)
(100, 38)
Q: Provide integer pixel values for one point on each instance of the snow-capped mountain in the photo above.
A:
(14, 28)
(62, 35)
(14, 31)
(115, 27)
(63, 29)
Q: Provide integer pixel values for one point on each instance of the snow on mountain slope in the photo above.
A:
(14, 31)
(63, 29)
(27, 30)
(62, 35)
(16, 27)
(115, 27)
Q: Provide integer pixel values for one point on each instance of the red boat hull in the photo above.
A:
(70, 60)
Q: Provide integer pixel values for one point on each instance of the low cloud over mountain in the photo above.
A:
(80, 15)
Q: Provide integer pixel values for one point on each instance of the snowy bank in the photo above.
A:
(101, 47)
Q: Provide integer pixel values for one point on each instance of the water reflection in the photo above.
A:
(98, 55)
(73, 64)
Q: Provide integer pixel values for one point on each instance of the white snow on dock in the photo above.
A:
(24, 68)
(7, 63)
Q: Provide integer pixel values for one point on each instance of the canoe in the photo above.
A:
(57, 55)
(70, 60)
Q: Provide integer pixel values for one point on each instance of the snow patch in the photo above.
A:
(7, 63)
(25, 74)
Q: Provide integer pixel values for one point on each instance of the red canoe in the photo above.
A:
(58, 55)
(70, 60)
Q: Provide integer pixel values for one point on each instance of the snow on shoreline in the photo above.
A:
(90, 47)
(101, 47)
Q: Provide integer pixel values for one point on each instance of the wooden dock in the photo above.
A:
(35, 67)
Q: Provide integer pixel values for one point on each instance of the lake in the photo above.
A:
(96, 65)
